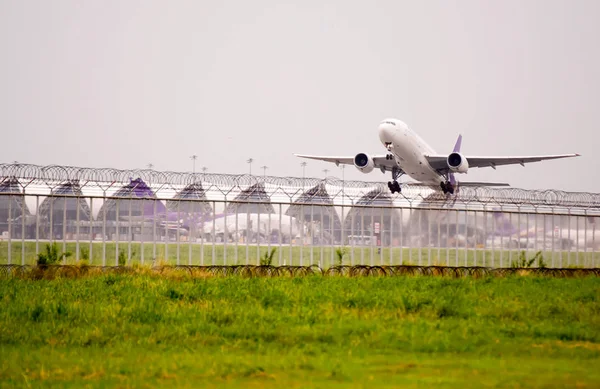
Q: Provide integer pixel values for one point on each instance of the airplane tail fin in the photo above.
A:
(457, 144)
(503, 224)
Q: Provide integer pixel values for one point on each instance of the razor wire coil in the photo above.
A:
(52, 176)
(73, 271)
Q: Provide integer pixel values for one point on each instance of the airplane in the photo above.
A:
(506, 234)
(171, 218)
(547, 237)
(154, 211)
(504, 227)
(578, 238)
(408, 154)
(253, 223)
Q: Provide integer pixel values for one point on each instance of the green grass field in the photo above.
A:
(325, 256)
(150, 331)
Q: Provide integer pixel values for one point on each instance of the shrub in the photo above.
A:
(51, 255)
(267, 258)
(340, 252)
(523, 262)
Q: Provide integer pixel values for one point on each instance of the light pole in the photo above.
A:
(303, 164)
(264, 168)
(194, 158)
(149, 166)
(204, 169)
(249, 161)
(325, 171)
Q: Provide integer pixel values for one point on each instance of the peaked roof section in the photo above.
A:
(14, 202)
(197, 204)
(132, 193)
(135, 188)
(421, 219)
(372, 206)
(316, 195)
(315, 205)
(253, 199)
(10, 185)
(376, 197)
(62, 200)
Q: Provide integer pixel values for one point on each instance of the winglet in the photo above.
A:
(457, 145)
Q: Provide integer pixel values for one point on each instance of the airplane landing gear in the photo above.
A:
(447, 187)
(393, 185)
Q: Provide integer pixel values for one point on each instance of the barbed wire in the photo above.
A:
(72, 271)
(169, 184)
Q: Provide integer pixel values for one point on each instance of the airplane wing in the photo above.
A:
(438, 162)
(380, 161)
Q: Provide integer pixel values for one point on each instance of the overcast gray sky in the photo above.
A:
(126, 83)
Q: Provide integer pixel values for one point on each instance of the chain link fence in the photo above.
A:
(111, 217)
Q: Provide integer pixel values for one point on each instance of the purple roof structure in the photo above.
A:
(138, 200)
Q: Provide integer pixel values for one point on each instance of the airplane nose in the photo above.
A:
(384, 133)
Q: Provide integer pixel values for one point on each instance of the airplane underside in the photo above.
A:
(447, 186)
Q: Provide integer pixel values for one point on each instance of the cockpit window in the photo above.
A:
(392, 123)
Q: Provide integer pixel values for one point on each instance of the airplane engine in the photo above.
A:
(457, 163)
(364, 163)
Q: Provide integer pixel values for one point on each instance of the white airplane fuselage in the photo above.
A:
(409, 150)
(265, 223)
(408, 154)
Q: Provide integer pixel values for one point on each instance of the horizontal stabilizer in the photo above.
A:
(461, 183)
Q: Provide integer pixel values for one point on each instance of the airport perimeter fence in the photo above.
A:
(111, 217)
